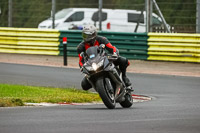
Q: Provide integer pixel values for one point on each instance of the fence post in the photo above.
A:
(197, 16)
(10, 2)
(65, 50)
(100, 14)
(53, 10)
(148, 7)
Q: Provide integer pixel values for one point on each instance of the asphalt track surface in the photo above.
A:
(175, 106)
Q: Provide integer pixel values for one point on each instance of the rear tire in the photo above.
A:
(103, 89)
(128, 101)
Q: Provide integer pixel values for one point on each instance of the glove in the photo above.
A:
(102, 46)
(115, 54)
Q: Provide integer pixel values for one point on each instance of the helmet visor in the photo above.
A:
(88, 37)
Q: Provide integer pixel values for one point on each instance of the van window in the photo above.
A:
(156, 21)
(77, 16)
(95, 16)
(134, 18)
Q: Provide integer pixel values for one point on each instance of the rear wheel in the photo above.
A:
(128, 102)
(106, 92)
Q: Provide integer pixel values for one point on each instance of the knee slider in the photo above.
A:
(85, 84)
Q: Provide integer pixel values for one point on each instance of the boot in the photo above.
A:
(127, 83)
(123, 65)
(124, 78)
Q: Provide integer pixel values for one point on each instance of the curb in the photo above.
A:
(136, 99)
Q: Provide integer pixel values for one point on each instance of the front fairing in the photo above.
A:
(95, 61)
(96, 64)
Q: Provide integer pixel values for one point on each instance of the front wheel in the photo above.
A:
(105, 91)
(128, 102)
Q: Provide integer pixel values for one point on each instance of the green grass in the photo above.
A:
(17, 95)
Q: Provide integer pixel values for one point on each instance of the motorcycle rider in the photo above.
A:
(90, 38)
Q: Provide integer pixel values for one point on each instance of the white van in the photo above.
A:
(112, 19)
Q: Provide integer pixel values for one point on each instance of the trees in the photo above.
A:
(4, 13)
(29, 13)
(178, 12)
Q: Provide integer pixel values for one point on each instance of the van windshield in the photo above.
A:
(156, 21)
(61, 14)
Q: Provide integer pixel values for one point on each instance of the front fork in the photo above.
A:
(120, 89)
(117, 77)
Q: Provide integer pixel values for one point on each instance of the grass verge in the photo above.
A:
(17, 95)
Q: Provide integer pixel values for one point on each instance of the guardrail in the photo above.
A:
(49, 42)
(174, 47)
(142, 46)
(29, 41)
(131, 45)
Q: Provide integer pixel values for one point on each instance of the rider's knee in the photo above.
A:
(124, 63)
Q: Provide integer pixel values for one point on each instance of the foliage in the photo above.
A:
(178, 12)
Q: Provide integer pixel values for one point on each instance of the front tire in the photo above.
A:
(103, 87)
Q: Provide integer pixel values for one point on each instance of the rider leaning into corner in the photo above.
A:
(90, 38)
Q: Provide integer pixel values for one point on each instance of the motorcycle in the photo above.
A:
(105, 77)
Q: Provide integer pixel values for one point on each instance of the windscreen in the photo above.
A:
(92, 52)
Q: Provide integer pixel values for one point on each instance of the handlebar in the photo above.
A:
(112, 58)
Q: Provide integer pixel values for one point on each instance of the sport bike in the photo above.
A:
(105, 77)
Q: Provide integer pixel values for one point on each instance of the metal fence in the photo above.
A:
(179, 14)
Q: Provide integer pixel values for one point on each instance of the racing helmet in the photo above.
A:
(89, 34)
